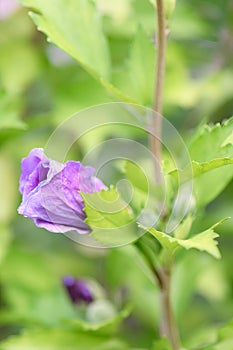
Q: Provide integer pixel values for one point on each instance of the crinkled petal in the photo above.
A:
(57, 228)
(88, 182)
(32, 173)
(36, 177)
(51, 192)
(51, 211)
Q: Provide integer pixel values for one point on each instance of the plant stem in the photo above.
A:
(156, 126)
(163, 274)
(168, 324)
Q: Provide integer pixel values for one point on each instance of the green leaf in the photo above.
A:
(137, 77)
(199, 169)
(75, 27)
(212, 147)
(202, 168)
(145, 193)
(102, 327)
(183, 229)
(141, 68)
(61, 339)
(106, 209)
(110, 218)
(224, 340)
(212, 142)
(212, 151)
(137, 178)
(117, 93)
(204, 241)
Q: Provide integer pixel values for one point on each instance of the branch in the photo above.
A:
(168, 325)
(156, 127)
(163, 275)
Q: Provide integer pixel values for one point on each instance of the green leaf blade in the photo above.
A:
(106, 209)
(110, 218)
(142, 67)
(61, 339)
(75, 27)
(136, 78)
(212, 148)
(204, 241)
(211, 152)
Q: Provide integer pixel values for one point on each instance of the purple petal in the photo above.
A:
(50, 192)
(69, 283)
(34, 170)
(89, 183)
(78, 290)
(49, 209)
(84, 291)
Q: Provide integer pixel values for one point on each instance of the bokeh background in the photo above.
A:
(40, 86)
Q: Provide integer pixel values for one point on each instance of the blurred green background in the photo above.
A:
(40, 86)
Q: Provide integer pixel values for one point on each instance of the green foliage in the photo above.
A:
(59, 339)
(224, 338)
(142, 54)
(102, 327)
(136, 176)
(87, 44)
(32, 298)
(204, 241)
(211, 150)
(182, 231)
(110, 218)
(79, 33)
(199, 169)
(113, 41)
(134, 80)
(208, 144)
(106, 209)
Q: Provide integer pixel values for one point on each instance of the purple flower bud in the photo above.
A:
(78, 290)
(50, 192)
